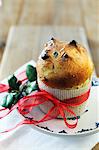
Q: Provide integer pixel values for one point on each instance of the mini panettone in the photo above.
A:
(64, 70)
(59, 85)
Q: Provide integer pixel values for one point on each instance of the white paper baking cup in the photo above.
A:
(63, 94)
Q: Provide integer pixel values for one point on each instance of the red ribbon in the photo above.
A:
(21, 76)
(4, 88)
(27, 103)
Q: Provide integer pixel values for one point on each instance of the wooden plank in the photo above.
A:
(25, 43)
(9, 15)
(68, 12)
(90, 10)
(58, 12)
(37, 12)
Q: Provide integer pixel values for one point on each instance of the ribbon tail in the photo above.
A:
(31, 121)
(48, 116)
(9, 111)
(4, 88)
(19, 124)
(36, 100)
(3, 109)
(22, 76)
(71, 126)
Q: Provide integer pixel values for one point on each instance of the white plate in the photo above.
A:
(87, 124)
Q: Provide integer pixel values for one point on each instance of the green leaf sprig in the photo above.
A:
(31, 73)
(18, 90)
(14, 83)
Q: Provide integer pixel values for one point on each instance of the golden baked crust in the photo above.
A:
(64, 65)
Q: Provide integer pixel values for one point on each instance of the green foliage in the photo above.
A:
(18, 90)
(31, 73)
(10, 99)
(14, 83)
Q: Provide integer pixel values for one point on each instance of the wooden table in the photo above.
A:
(26, 43)
(53, 12)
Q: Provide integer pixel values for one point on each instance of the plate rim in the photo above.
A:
(38, 128)
(91, 132)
